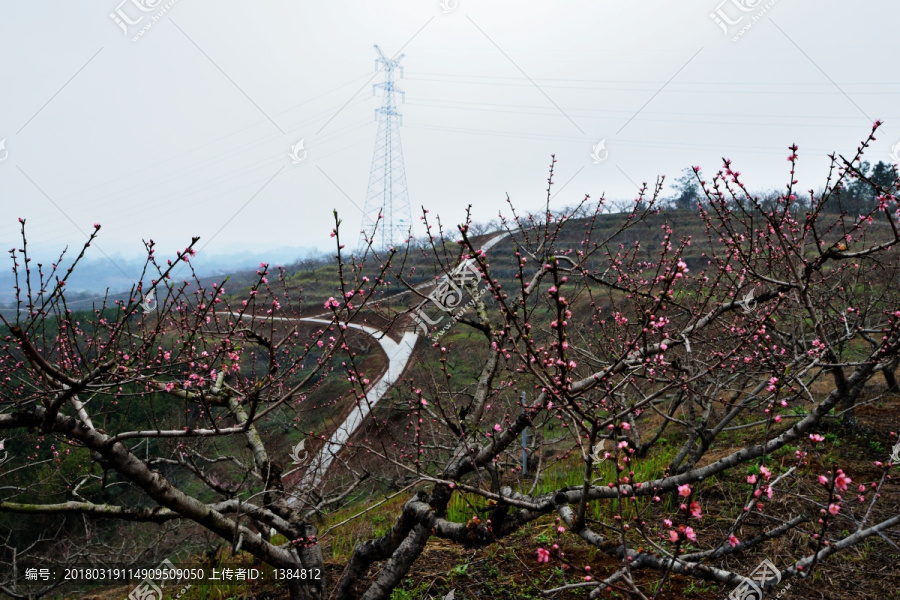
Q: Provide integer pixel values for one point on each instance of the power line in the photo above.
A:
(709, 120)
(792, 92)
(754, 84)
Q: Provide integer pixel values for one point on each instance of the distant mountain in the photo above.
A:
(94, 276)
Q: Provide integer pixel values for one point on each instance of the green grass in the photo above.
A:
(570, 474)
(416, 593)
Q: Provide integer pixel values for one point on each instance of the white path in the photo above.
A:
(398, 355)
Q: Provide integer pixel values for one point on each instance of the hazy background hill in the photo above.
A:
(97, 273)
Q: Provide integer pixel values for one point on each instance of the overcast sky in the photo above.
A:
(186, 132)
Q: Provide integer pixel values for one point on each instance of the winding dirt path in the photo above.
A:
(398, 355)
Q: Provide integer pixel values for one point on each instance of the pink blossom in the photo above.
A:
(561, 529)
(733, 540)
(543, 555)
(684, 490)
(841, 481)
(696, 512)
(689, 533)
(834, 509)
(673, 535)
(823, 480)
(667, 522)
(751, 479)
(626, 426)
(498, 428)
(816, 438)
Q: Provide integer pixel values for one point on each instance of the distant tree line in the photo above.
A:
(857, 195)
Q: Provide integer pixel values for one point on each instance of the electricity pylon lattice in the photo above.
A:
(387, 194)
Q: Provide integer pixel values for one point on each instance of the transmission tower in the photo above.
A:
(387, 194)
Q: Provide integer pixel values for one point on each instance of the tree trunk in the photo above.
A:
(398, 565)
(848, 403)
(311, 559)
(890, 377)
(304, 590)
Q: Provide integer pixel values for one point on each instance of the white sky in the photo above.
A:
(171, 136)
